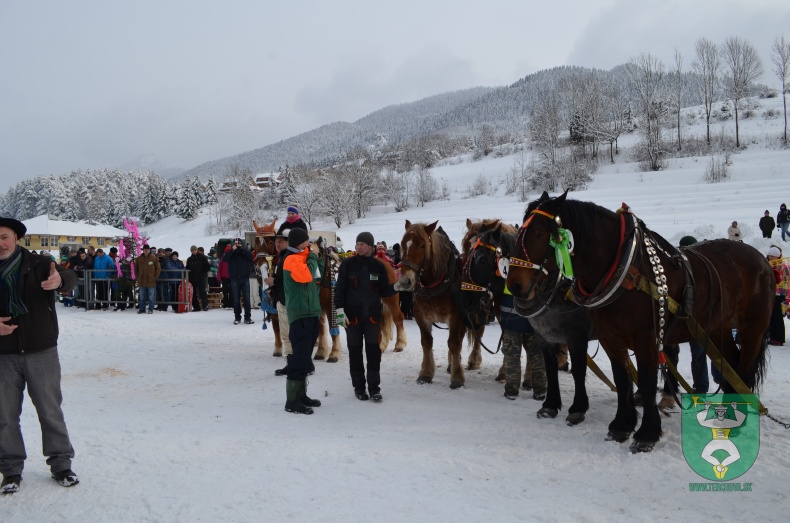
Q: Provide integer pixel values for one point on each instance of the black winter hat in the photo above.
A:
(687, 240)
(366, 237)
(15, 225)
(297, 237)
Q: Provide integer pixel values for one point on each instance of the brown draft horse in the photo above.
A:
(429, 269)
(265, 257)
(723, 285)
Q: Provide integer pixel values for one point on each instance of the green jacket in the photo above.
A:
(301, 285)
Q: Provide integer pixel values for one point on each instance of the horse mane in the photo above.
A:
(473, 229)
(440, 248)
(578, 214)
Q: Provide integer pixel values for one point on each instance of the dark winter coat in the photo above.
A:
(783, 216)
(80, 265)
(239, 262)
(277, 290)
(298, 224)
(767, 224)
(509, 319)
(361, 283)
(37, 329)
(198, 267)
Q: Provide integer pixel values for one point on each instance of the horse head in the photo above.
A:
(532, 259)
(417, 253)
(481, 281)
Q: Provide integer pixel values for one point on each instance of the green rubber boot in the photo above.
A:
(305, 399)
(294, 390)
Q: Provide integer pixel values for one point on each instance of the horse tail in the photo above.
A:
(760, 364)
(387, 326)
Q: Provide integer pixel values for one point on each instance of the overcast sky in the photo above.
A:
(86, 84)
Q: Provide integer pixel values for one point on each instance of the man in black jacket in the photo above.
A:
(198, 267)
(361, 283)
(29, 356)
(239, 262)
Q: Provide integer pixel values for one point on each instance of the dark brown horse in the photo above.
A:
(721, 284)
(562, 322)
(430, 269)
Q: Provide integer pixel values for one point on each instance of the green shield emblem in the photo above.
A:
(720, 433)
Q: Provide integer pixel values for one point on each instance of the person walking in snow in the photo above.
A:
(361, 283)
(767, 224)
(198, 267)
(783, 221)
(29, 357)
(300, 278)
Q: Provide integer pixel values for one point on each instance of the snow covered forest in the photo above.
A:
(561, 124)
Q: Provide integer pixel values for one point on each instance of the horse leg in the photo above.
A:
(320, 354)
(671, 386)
(385, 326)
(553, 402)
(278, 341)
(650, 431)
(454, 342)
(334, 355)
(624, 421)
(476, 356)
(392, 304)
(428, 368)
(577, 348)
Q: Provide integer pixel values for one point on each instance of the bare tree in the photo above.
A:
(744, 68)
(426, 187)
(397, 188)
(707, 67)
(648, 81)
(306, 192)
(780, 56)
(678, 87)
(545, 126)
(337, 200)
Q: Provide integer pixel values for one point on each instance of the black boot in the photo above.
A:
(294, 390)
(284, 370)
(307, 400)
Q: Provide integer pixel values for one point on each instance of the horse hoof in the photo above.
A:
(456, 384)
(422, 380)
(472, 367)
(574, 418)
(318, 357)
(565, 368)
(547, 413)
(397, 349)
(618, 436)
(331, 360)
(277, 354)
(642, 446)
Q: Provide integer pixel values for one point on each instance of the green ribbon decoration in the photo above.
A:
(561, 251)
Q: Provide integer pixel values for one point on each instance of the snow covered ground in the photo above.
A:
(180, 417)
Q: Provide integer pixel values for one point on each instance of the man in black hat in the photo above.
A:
(29, 356)
(361, 283)
(239, 262)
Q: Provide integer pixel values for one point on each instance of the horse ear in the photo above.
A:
(273, 222)
(257, 227)
(483, 228)
(408, 224)
(430, 228)
(544, 196)
(563, 196)
(468, 223)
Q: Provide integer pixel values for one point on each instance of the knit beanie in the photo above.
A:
(774, 251)
(292, 209)
(366, 237)
(297, 237)
(687, 240)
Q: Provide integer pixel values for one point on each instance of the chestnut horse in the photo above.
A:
(430, 269)
(265, 258)
(719, 285)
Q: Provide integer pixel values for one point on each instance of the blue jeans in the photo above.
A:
(699, 367)
(784, 227)
(147, 294)
(241, 287)
(40, 371)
